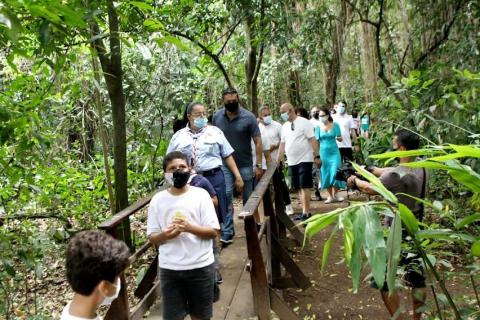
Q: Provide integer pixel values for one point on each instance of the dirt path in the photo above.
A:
(330, 296)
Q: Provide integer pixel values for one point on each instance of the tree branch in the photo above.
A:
(259, 62)
(381, 70)
(65, 220)
(442, 38)
(208, 52)
(400, 67)
(230, 33)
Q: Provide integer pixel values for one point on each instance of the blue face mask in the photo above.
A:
(200, 122)
(284, 116)
(341, 109)
(267, 120)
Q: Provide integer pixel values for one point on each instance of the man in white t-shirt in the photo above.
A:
(182, 221)
(347, 128)
(299, 144)
(271, 131)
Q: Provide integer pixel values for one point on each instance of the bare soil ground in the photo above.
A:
(331, 297)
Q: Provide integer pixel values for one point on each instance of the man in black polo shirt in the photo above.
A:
(239, 127)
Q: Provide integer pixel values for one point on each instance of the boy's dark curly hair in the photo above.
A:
(93, 256)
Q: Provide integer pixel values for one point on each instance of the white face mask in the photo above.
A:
(108, 300)
(324, 119)
(267, 120)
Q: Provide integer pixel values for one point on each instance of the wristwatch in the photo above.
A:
(258, 165)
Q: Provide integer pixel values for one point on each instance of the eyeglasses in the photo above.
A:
(292, 126)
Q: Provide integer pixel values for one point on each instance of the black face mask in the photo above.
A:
(316, 115)
(231, 106)
(180, 178)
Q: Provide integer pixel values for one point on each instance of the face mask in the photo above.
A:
(341, 109)
(108, 300)
(232, 106)
(200, 122)
(284, 116)
(315, 115)
(324, 119)
(267, 120)
(178, 178)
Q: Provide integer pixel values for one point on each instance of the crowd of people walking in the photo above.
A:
(205, 166)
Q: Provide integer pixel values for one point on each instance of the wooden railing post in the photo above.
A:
(119, 308)
(258, 274)
(283, 220)
(276, 271)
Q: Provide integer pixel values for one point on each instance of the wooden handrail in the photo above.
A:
(257, 195)
(120, 216)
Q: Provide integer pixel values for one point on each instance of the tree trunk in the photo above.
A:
(103, 134)
(112, 72)
(294, 91)
(333, 64)
(369, 61)
(250, 65)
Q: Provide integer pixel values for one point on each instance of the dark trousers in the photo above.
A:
(346, 154)
(218, 182)
(283, 185)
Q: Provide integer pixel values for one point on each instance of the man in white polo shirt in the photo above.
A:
(299, 144)
(271, 130)
(347, 128)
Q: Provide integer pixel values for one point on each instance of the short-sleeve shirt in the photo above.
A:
(405, 180)
(272, 133)
(205, 149)
(316, 124)
(67, 316)
(297, 147)
(202, 182)
(346, 125)
(265, 147)
(365, 120)
(239, 131)
(186, 251)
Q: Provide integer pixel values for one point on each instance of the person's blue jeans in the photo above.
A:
(228, 230)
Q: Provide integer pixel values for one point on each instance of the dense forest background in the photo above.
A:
(89, 91)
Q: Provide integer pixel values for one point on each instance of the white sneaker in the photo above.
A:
(289, 209)
(329, 200)
(339, 198)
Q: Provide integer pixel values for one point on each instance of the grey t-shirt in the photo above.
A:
(405, 180)
(239, 132)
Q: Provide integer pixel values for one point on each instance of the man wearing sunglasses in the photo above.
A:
(299, 144)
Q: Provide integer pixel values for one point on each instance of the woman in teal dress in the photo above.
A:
(328, 133)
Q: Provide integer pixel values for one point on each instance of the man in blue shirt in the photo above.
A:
(240, 127)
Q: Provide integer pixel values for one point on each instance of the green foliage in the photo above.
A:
(363, 230)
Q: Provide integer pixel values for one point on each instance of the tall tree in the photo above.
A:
(111, 63)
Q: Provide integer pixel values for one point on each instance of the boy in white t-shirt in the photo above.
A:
(182, 221)
(94, 262)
